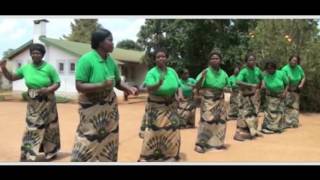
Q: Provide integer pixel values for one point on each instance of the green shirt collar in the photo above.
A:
(99, 57)
(254, 67)
(161, 71)
(39, 67)
(215, 71)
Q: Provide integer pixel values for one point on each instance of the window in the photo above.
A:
(72, 67)
(61, 67)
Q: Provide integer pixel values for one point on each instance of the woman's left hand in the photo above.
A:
(181, 99)
(132, 91)
(284, 94)
(43, 91)
(300, 86)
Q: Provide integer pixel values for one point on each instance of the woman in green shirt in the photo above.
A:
(162, 136)
(297, 79)
(275, 82)
(187, 107)
(249, 82)
(97, 136)
(212, 127)
(234, 98)
(42, 132)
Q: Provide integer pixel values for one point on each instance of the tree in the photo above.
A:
(129, 44)
(81, 30)
(7, 52)
(189, 41)
(279, 39)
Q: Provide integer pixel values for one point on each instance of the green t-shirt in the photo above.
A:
(214, 79)
(232, 82)
(170, 82)
(92, 68)
(37, 77)
(276, 82)
(186, 86)
(248, 75)
(294, 74)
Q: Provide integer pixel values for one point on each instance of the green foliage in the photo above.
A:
(129, 44)
(279, 39)
(81, 30)
(7, 52)
(189, 42)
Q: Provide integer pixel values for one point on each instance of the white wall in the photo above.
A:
(22, 58)
(53, 56)
(5, 84)
(56, 56)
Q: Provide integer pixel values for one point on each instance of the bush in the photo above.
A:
(59, 99)
(309, 96)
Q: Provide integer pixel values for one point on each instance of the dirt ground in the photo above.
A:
(294, 145)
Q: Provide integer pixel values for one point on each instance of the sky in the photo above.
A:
(15, 31)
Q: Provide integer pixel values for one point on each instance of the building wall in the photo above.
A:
(67, 77)
(53, 56)
(5, 84)
(140, 71)
(21, 58)
(135, 73)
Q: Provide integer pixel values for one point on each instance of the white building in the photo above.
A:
(63, 54)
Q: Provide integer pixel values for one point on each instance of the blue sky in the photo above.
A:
(14, 31)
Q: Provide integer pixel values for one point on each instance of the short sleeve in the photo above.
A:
(192, 81)
(301, 71)
(260, 75)
(226, 79)
(150, 79)
(54, 76)
(230, 82)
(198, 78)
(285, 78)
(19, 72)
(240, 76)
(116, 72)
(83, 69)
(177, 78)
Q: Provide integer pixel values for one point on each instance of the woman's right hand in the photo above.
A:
(160, 82)
(107, 84)
(203, 74)
(161, 79)
(283, 95)
(3, 63)
(43, 91)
